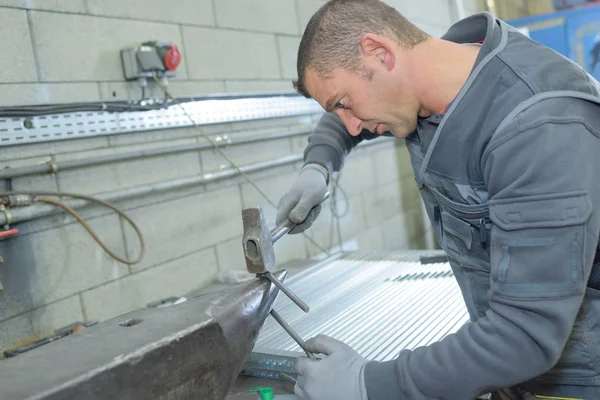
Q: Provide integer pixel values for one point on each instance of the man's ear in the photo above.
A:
(380, 48)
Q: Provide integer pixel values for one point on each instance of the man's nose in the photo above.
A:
(353, 124)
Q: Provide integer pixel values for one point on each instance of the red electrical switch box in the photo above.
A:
(151, 58)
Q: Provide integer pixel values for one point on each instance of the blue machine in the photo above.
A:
(574, 33)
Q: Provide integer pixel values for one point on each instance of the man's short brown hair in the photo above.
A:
(332, 37)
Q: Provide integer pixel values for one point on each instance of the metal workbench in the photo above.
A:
(377, 303)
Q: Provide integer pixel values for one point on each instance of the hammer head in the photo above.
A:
(257, 241)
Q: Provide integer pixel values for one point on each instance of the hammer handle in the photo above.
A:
(279, 231)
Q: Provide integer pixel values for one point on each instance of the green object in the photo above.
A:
(265, 393)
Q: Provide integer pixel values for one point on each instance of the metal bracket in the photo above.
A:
(7, 216)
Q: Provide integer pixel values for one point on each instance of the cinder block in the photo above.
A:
(411, 197)
(191, 12)
(418, 243)
(299, 143)
(39, 323)
(259, 15)
(186, 225)
(18, 152)
(306, 9)
(252, 86)
(352, 216)
(58, 39)
(169, 135)
(395, 233)
(247, 154)
(46, 182)
(285, 123)
(120, 175)
(173, 278)
(267, 132)
(371, 239)
(16, 94)
(73, 6)
(25, 162)
(274, 186)
(323, 232)
(288, 54)
(405, 168)
(386, 164)
(268, 172)
(434, 12)
(416, 222)
(431, 28)
(289, 248)
(47, 266)
(358, 174)
(242, 55)
(470, 6)
(231, 254)
(382, 202)
(17, 63)
(177, 88)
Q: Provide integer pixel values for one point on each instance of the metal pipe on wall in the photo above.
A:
(53, 167)
(39, 211)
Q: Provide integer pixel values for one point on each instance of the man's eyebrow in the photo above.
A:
(330, 105)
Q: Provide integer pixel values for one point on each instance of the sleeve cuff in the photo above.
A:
(323, 155)
(382, 380)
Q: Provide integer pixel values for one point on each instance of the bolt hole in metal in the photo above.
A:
(131, 322)
(28, 124)
(252, 249)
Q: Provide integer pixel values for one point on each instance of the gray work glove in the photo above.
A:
(340, 375)
(302, 203)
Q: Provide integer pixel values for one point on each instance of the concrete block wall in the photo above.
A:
(67, 51)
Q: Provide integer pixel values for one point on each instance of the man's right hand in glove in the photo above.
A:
(302, 203)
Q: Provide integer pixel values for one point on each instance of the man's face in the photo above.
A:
(380, 102)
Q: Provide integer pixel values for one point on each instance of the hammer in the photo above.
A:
(258, 243)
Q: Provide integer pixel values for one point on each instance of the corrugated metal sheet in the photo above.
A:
(378, 303)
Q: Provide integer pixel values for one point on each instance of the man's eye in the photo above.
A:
(341, 104)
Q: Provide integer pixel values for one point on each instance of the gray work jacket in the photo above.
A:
(510, 177)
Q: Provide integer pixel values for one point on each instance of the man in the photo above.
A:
(504, 139)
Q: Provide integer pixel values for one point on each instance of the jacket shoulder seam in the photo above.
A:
(519, 72)
(532, 125)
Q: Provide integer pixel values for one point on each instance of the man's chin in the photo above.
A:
(399, 133)
(381, 129)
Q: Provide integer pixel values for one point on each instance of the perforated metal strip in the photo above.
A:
(204, 112)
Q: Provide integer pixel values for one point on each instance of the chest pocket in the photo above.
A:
(458, 235)
(466, 231)
(466, 242)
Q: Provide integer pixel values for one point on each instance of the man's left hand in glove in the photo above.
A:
(340, 375)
